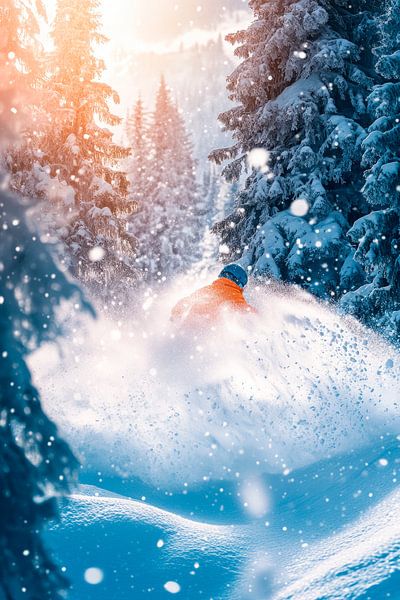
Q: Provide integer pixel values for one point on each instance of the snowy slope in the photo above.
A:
(267, 454)
(309, 550)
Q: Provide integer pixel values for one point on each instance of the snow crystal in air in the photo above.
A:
(172, 587)
(258, 158)
(96, 254)
(255, 497)
(224, 249)
(147, 303)
(300, 54)
(299, 207)
(94, 576)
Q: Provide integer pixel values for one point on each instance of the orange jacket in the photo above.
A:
(205, 305)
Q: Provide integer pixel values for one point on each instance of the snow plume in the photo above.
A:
(268, 393)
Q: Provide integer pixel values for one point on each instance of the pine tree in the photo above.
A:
(166, 223)
(80, 155)
(22, 77)
(36, 465)
(377, 234)
(139, 164)
(302, 88)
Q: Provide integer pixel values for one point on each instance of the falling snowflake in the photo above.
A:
(93, 576)
(258, 158)
(299, 207)
(96, 254)
(172, 587)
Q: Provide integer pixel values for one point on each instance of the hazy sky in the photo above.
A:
(158, 23)
(135, 26)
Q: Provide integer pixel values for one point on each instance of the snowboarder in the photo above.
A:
(205, 305)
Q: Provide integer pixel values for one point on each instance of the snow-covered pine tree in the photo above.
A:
(139, 162)
(377, 234)
(301, 88)
(20, 69)
(79, 155)
(166, 224)
(36, 465)
(22, 75)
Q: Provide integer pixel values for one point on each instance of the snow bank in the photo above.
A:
(270, 393)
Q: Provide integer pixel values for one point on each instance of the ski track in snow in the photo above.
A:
(263, 402)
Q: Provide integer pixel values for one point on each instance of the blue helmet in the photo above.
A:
(235, 273)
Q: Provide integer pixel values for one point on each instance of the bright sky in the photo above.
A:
(135, 26)
(161, 25)
(158, 23)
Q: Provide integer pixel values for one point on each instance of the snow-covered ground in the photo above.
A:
(266, 453)
(304, 550)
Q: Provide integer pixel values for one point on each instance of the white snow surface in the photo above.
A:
(267, 393)
(357, 557)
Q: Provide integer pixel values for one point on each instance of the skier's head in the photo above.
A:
(235, 273)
